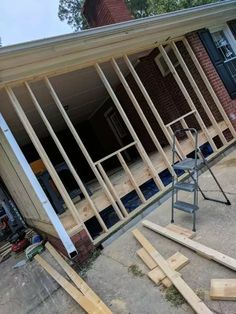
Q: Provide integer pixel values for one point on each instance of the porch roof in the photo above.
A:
(61, 54)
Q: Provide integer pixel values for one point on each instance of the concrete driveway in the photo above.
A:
(31, 290)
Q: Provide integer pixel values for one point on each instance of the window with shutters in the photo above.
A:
(226, 51)
(220, 45)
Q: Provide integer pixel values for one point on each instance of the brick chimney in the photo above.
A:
(104, 12)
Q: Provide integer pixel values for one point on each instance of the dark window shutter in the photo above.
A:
(232, 26)
(218, 62)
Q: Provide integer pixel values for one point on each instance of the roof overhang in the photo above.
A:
(61, 54)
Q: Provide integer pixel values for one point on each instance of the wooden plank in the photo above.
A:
(81, 146)
(176, 262)
(78, 281)
(146, 258)
(223, 289)
(193, 245)
(66, 158)
(149, 101)
(186, 95)
(112, 189)
(194, 301)
(198, 92)
(129, 126)
(181, 230)
(83, 301)
(43, 155)
(131, 177)
(141, 114)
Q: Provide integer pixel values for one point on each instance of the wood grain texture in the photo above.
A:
(83, 301)
(194, 301)
(176, 262)
(223, 289)
(78, 281)
(193, 245)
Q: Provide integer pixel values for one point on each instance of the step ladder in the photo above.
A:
(192, 167)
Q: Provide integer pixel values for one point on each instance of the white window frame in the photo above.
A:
(228, 34)
(158, 62)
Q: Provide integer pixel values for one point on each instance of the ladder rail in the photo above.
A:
(192, 166)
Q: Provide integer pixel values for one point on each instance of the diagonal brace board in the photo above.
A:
(78, 281)
(194, 301)
(193, 245)
(83, 301)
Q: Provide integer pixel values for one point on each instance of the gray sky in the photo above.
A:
(25, 20)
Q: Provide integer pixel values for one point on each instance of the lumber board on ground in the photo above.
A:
(82, 300)
(193, 245)
(146, 258)
(194, 301)
(181, 230)
(223, 289)
(176, 262)
(78, 281)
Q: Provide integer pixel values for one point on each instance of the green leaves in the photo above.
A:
(71, 10)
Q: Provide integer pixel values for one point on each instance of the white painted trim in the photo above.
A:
(63, 235)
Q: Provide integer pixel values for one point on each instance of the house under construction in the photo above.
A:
(87, 119)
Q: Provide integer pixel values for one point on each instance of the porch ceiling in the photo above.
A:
(82, 91)
(69, 52)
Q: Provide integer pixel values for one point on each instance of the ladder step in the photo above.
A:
(187, 164)
(186, 207)
(189, 187)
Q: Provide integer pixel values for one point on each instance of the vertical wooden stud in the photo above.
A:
(82, 147)
(139, 146)
(66, 158)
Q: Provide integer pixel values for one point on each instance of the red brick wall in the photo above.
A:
(82, 243)
(104, 12)
(218, 86)
(166, 96)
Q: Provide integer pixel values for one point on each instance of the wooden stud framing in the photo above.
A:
(193, 245)
(131, 178)
(198, 92)
(189, 134)
(141, 114)
(43, 155)
(150, 102)
(194, 301)
(187, 96)
(209, 87)
(139, 146)
(66, 158)
(82, 147)
(112, 189)
(115, 153)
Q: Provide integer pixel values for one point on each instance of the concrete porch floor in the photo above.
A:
(30, 290)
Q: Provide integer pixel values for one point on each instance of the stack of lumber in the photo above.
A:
(177, 261)
(172, 275)
(221, 289)
(78, 290)
(5, 251)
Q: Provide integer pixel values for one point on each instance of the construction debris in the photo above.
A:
(83, 294)
(194, 301)
(223, 289)
(193, 245)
